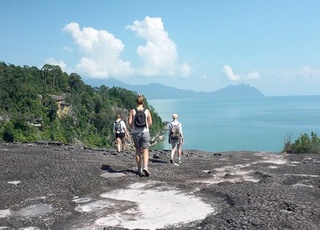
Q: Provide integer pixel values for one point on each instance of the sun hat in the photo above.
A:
(175, 116)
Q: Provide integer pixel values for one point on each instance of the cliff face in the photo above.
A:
(60, 187)
(64, 108)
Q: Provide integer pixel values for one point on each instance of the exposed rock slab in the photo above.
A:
(58, 187)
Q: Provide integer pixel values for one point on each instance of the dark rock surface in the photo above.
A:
(248, 190)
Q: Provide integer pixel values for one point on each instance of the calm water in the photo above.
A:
(259, 124)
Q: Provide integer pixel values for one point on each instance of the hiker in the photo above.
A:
(175, 138)
(139, 121)
(120, 132)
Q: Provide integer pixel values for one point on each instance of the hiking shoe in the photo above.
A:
(146, 172)
(171, 161)
(176, 164)
(139, 171)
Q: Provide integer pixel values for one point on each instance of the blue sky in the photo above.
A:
(203, 45)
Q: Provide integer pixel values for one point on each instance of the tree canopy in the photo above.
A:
(47, 104)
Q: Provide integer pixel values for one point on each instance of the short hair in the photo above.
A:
(140, 99)
(119, 116)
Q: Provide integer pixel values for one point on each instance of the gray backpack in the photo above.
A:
(175, 133)
(117, 126)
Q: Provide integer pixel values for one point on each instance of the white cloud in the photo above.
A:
(60, 63)
(228, 71)
(252, 75)
(307, 73)
(159, 54)
(311, 74)
(100, 50)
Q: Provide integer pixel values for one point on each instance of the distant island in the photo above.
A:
(241, 90)
(159, 91)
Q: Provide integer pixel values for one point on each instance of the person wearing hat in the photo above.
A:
(175, 138)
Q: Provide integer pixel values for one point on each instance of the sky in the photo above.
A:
(201, 45)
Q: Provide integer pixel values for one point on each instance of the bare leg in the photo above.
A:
(173, 151)
(145, 161)
(123, 142)
(118, 145)
(145, 158)
(179, 153)
(138, 159)
(179, 150)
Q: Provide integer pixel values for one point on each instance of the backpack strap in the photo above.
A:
(118, 122)
(171, 125)
(136, 110)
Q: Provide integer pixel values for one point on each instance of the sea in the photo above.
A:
(240, 124)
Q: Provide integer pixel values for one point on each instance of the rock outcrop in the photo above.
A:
(62, 187)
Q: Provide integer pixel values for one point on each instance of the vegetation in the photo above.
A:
(49, 105)
(304, 144)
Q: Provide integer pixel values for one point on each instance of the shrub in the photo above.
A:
(8, 134)
(304, 144)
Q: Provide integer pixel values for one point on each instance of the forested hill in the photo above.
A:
(49, 105)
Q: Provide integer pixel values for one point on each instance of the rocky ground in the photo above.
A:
(60, 187)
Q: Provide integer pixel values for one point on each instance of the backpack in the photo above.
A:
(140, 120)
(117, 126)
(175, 133)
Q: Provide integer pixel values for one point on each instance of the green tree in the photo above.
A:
(8, 134)
(28, 98)
(303, 144)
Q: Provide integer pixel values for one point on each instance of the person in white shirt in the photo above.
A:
(175, 141)
(120, 131)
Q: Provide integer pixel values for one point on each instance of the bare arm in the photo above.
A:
(131, 118)
(182, 138)
(149, 119)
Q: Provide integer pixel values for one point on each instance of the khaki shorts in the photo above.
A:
(141, 140)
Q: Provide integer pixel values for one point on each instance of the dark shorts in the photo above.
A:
(174, 141)
(120, 135)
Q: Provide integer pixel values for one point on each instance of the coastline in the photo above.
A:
(48, 186)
